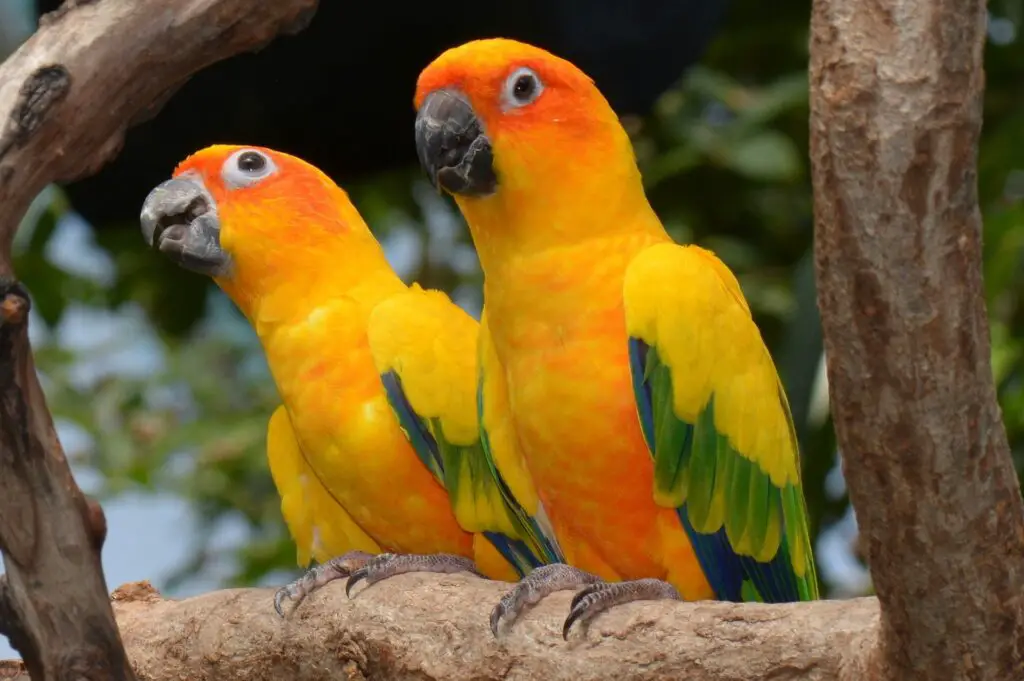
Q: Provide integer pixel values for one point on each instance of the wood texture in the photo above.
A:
(425, 627)
(896, 113)
(66, 97)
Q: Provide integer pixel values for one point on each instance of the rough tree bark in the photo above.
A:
(66, 98)
(435, 628)
(896, 113)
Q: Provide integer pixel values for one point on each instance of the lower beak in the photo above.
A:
(452, 146)
(179, 219)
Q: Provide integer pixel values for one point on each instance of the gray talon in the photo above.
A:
(318, 576)
(596, 598)
(533, 588)
(387, 565)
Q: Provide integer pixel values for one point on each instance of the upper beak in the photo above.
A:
(452, 145)
(179, 218)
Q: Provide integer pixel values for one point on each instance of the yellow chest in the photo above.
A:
(326, 377)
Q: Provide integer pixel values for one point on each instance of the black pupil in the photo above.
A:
(251, 162)
(524, 87)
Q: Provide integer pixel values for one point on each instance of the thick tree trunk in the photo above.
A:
(66, 98)
(896, 112)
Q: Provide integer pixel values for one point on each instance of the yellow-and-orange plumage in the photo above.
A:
(646, 410)
(355, 459)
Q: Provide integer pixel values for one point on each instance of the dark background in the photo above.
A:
(340, 93)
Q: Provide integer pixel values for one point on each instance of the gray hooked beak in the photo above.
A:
(452, 145)
(179, 219)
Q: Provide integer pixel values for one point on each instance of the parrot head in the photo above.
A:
(517, 134)
(254, 219)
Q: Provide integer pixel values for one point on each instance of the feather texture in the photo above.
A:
(376, 446)
(426, 351)
(642, 401)
(720, 431)
(319, 525)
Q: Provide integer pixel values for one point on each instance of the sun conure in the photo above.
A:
(376, 446)
(645, 405)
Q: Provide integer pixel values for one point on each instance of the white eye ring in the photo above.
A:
(246, 167)
(522, 87)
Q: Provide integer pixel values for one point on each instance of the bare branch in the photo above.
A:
(425, 626)
(94, 68)
(66, 97)
(896, 112)
(52, 598)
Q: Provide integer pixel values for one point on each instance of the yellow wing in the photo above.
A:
(319, 525)
(425, 348)
(718, 425)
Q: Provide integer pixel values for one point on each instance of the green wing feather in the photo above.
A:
(425, 348)
(718, 425)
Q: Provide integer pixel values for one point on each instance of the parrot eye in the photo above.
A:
(522, 87)
(251, 162)
(247, 167)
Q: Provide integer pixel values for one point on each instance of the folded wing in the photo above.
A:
(716, 420)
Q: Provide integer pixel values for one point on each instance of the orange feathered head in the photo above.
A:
(498, 110)
(504, 127)
(250, 218)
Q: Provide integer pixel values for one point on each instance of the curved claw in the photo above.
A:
(291, 591)
(533, 588)
(316, 577)
(279, 597)
(576, 611)
(496, 614)
(569, 621)
(596, 598)
(583, 593)
(353, 579)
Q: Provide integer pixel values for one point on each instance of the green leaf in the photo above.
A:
(768, 155)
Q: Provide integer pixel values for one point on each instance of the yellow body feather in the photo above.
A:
(639, 395)
(334, 321)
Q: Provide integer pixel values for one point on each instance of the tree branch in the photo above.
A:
(896, 112)
(424, 627)
(66, 97)
(95, 67)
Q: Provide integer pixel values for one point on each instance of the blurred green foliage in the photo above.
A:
(725, 160)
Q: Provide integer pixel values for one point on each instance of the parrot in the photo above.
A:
(375, 449)
(648, 416)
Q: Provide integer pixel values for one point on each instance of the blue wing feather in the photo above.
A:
(722, 567)
(641, 389)
(415, 429)
(726, 571)
(427, 448)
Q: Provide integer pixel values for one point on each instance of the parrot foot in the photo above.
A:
(316, 577)
(596, 598)
(388, 565)
(534, 587)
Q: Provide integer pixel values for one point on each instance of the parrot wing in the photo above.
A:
(319, 525)
(425, 349)
(717, 422)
